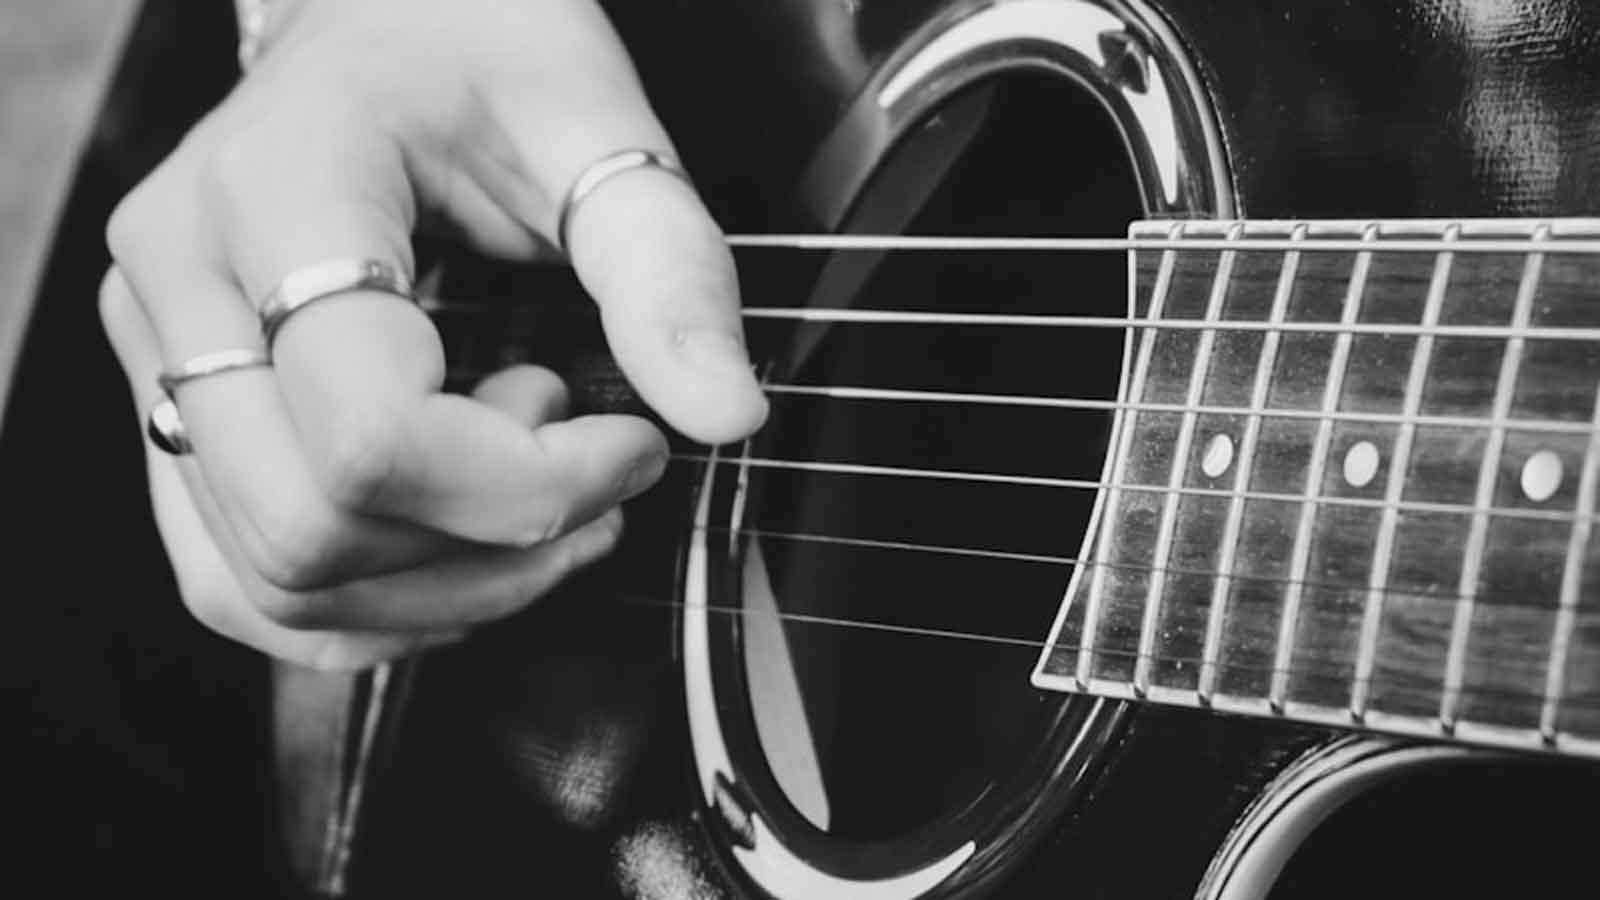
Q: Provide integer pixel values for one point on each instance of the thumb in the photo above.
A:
(648, 252)
(641, 241)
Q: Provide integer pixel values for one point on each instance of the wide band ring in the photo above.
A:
(165, 424)
(602, 170)
(308, 284)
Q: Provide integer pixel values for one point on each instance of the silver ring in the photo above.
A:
(165, 424)
(599, 172)
(308, 284)
(213, 363)
(166, 431)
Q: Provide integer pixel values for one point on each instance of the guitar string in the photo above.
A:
(856, 316)
(1313, 243)
(1535, 243)
(835, 242)
(1087, 404)
(901, 395)
(823, 467)
(1311, 668)
(1425, 594)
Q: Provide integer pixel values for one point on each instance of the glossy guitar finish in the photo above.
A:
(1452, 111)
(554, 755)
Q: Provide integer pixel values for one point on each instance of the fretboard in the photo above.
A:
(1353, 481)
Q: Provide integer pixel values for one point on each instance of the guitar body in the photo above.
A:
(609, 743)
(619, 739)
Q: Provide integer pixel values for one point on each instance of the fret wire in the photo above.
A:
(1300, 558)
(1198, 370)
(1125, 428)
(1077, 244)
(1571, 584)
(1325, 669)
(1247, 446)
(1488, 474)
(1317, 667)
(837, 315)
(1367, 648)
(870, 469)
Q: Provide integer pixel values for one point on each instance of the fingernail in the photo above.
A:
(600, 536)
(612, 526)
(716, 352)
(643, 475)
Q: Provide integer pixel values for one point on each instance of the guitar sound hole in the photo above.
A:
(890, 623)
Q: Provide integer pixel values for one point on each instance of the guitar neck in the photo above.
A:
(1353, 481)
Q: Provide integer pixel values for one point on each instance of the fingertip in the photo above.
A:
(596, 539)
(715, 398)
(699, 379)
(738, 406)
(736, 415)
(612, 524)
(529, 394)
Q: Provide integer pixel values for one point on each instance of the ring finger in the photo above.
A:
(430, 603)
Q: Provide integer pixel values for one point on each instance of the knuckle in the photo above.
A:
(554, 515)
(135, 216)
(234, 162)
(548, 525)
(117, 307)
(359, 465)
(297, 610)
(295, 550)
(211, 598)
(540, 380)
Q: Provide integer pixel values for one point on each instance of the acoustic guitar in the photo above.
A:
(1244, 550)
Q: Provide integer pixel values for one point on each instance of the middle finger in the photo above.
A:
(360, 373)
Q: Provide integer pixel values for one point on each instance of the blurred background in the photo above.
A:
(133, 746)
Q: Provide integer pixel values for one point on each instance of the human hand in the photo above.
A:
(338, 510)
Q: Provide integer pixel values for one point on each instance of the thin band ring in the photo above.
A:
(600, 171)
(213, 363)
(308, 284)
(165, 423)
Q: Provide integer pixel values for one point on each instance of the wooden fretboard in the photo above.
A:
(1353, 481)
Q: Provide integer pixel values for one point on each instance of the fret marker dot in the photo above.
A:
(1219, 455)
(1361, 464)
(1541, 476)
